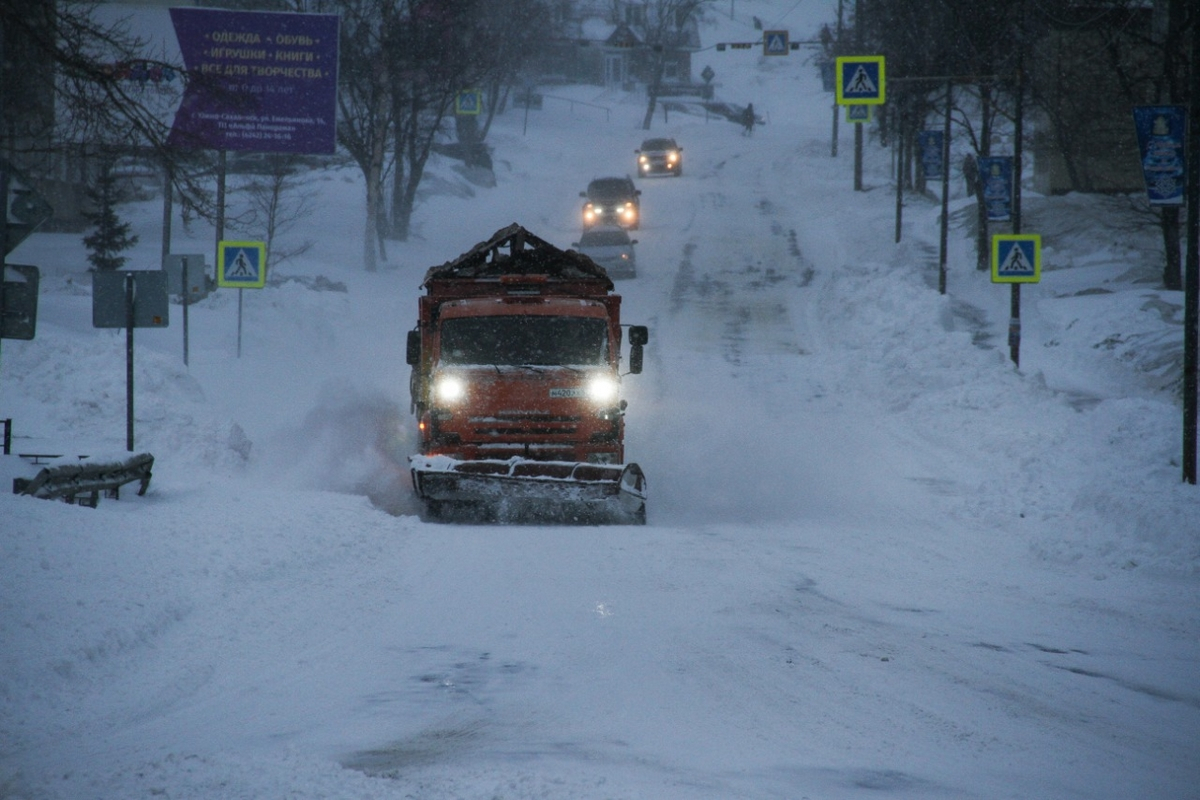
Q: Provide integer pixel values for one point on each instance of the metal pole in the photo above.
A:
(836, 109)
(944, 234)
(1191, 270)
(858, 157)
(833, 147)
(901, 144)
(1014, 328)
(129, 290)
(168, 197)
(858, 129)
(186, 301)
(220, 197)
(239, 345)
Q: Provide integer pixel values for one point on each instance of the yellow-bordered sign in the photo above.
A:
(861, 79)
(1016, 258)
(468, 102)
(242, 265)
(859, 113)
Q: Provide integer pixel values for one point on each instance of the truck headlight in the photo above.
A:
(449, 388)
(603, 389)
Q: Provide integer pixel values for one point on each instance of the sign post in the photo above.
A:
(861, 80)
(1016, 259)
(185, 277)
(134, 299)
(241, 265)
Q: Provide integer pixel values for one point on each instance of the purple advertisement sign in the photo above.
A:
(257, 81)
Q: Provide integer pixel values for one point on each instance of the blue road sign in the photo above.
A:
(858, 114)
(468, 102)
(775, 43)
(242, 265)
(861, 79)
(1016, 258)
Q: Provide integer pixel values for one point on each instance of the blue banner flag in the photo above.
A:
(1160, 131)
(930, 144)
(996, 174)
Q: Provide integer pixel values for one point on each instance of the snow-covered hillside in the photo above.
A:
(879, 558)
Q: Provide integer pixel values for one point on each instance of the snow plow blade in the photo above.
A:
(520, 489)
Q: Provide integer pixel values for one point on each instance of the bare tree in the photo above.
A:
(436, 49)
(277, 205)
(667, 25)
(74, 79)
(365, 105)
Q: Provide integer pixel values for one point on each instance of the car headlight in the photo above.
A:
(449, 389)
(643, 159)
(672, 156)
(603, 389)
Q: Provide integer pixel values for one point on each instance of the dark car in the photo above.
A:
(612, 249)
(660, 156)
(611, 201)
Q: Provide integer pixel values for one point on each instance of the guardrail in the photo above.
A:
(573, 103)
(82, 481)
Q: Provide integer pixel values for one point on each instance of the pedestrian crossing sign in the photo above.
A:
(468, 102)
(1016, 258)
(242, 265)
(858, 113)
(860, 79)
(775, 43)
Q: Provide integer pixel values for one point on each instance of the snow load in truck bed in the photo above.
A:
(527, 255)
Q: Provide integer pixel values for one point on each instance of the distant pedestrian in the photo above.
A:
(970, 171)
(748, 120)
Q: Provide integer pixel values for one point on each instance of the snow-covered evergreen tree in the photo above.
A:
(111, 236)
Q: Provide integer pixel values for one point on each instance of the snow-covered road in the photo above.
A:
(878, 558)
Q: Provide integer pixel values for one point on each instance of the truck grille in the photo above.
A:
(524, 424)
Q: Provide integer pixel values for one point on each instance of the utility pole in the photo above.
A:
(1191, 269)
(858, 129)
(944, 232)
(1014, 325)
(837, 51)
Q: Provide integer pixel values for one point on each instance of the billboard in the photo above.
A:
(257, 81)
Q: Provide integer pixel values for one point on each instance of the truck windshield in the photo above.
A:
(517, 340)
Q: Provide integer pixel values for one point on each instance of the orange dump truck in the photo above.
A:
(516, 385)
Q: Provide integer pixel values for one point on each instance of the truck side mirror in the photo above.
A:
(638, 336)
(413, 355)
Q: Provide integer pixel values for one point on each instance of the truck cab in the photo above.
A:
(517, 367)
